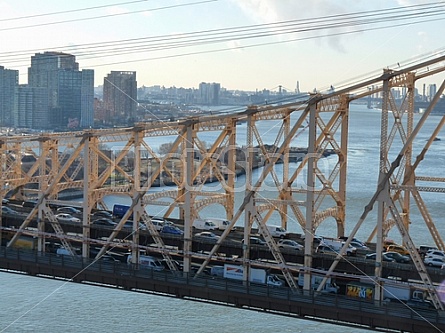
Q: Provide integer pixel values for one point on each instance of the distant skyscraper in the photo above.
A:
(32, 108)
(9, 82)
(70, 91)
(209, 93)
(432, 90)
(120, 97)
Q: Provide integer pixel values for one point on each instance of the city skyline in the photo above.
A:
(182, 56)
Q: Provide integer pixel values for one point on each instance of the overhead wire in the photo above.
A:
(199, 38)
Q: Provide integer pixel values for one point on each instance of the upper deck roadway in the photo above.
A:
(40, 167)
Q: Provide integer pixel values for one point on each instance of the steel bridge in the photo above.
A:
(121, 161)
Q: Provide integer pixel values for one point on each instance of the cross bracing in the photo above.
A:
(122, 161)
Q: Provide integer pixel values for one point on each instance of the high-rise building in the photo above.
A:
(120, 97)
(432, 90)
(209, 93)
(32, 108)
(70, 91)
(9, 82)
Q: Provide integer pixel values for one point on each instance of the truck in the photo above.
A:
(329, 287)
(395, 291)
(277, 231)
(148, 262)
(120, 210)
(257, 275)
(204, 225)
(221, 224)
(337, 244)
(26, 242)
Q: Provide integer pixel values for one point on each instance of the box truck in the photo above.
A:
(329, 287)
(257, 275)
(402, 292)
(120, 210)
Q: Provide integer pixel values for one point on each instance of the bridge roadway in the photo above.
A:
(338, 309)
(232, 248)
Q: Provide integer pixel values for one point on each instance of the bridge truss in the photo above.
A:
(122, 161)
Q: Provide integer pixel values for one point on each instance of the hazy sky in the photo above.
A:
(184, 42)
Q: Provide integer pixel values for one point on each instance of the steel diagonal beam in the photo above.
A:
(417, 260)
(250, 193)
(266, 155)
(114, 165)
(428, 220)
(140, 195)
(47, 192)
(383, 183)
(274, 249)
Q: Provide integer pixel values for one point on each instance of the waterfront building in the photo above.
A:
(70, 91)
(9, 81)
(120, 97)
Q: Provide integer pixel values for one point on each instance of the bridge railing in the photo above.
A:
(73, 264)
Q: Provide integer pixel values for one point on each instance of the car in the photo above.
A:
(255, 241)
(9, 211)
(290, 244)
(109, 259)
(423, 249)
(420, 303)
(129, 225)
(435, 254)
(359, 245)
(158, 223)
(373, 256)
(105, 222)
(102, 213)
(325, 249)
(208, 235)
(5, 201)
(179, 266)
(400, 258)
(65, 217)
(397, 248)
(171, 229)
(317, 239)
(354, 240)
(61, 251)
(69, 210)
(434, 262)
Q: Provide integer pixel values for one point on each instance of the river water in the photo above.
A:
(31, 304)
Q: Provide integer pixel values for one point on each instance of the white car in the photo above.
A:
(436, 262)
(290, 244)
(435, 254)
(208, 235)
(64, 217)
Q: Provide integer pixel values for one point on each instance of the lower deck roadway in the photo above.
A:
(335, 309)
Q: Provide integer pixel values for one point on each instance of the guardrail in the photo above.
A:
(255, 296)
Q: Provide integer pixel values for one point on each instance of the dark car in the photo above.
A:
(400, 258)
(171, 229)
(255, 241)
(129, 225)
(103, 213)
(179, 266)
(69, 210)
(7, 210)
(105, 222)
(325, 249)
